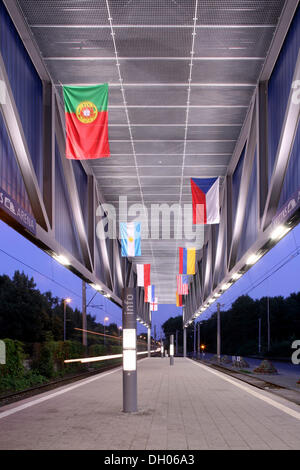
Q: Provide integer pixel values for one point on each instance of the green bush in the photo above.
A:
(14, 359)
(30, 379)
(45, 364)
(280, 349)
(116, 349)
(97, 350)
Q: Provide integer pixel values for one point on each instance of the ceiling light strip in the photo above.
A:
(157, 84)
(181, 106)
(126, 111)
(176, 125)
(105, 58)
(187, 118)
(154, 26)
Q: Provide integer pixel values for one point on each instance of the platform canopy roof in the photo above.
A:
(181, 76)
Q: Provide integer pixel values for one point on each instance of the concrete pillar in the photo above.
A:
(184, 342)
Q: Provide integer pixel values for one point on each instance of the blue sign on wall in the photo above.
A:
(11, 207)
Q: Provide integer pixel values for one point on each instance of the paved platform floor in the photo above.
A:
(186, 406)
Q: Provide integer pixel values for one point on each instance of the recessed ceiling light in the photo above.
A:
(279, 232)
(61, 259)
(252, 259)
(236, 276)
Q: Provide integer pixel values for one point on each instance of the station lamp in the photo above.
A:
(253, 259)
(279, 232)
(61, 259)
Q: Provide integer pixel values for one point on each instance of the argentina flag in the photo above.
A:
(130, 238)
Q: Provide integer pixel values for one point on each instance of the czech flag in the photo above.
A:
(130, 238)
(143, 274)
(149, 294)
(206, 204)
(187, 260)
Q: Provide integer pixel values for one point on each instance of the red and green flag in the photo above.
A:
(86, 121)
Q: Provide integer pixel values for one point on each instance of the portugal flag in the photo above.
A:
(86, 121)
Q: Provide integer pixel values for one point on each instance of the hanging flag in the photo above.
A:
(206, 205)
(187, 260)
(149, 294)
(154, 305)
(86, 121)
(182, 284)
(143, 274)
(178, 300)
(130, 238)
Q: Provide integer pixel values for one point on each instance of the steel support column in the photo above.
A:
(129, 315)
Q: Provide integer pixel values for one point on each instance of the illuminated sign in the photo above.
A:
(11, 207)
(288, 209)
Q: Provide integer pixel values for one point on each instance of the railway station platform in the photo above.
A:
(187, 406)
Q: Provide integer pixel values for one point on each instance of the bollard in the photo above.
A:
(171, 350)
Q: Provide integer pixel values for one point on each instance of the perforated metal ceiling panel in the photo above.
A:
(188, 70)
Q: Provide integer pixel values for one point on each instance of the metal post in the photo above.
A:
(184, 342)
(259, 335)
(65, 307)
(171, 350)
(149, 342)
(268, 317)
(129, 315)
(218, 333)
(155, 335)
(198, 345)
(176, 353)
(84, 324)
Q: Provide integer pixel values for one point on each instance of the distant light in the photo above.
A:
(218, 295)
(211, 301)
(106, 318)
(68, 300)
(279, 232)
(226, 286)
(236, 276)
(61, 259)
(252, 259)
(96, 287)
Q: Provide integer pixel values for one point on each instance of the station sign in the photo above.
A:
(13, 208)
(289, 208)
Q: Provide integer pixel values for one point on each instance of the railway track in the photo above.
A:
(29, 392)
(12, 397)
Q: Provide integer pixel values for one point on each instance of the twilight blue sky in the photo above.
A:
(282, 282)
